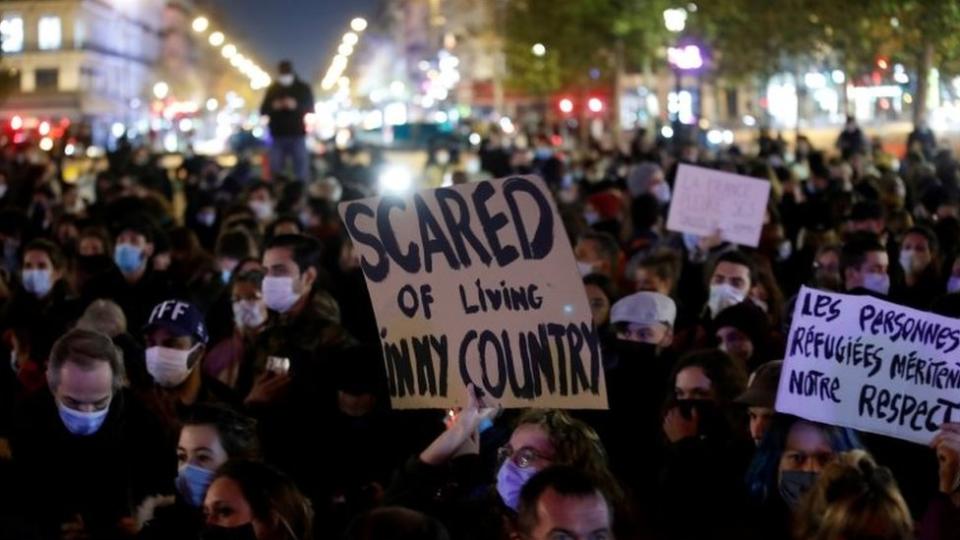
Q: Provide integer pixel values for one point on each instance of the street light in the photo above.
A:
(200, 24)
(675, 19)
(539, 49)
(359, 24)
(345, 49)
(595, 105)
(229, 51)
(161, 90)
(217, 39)
(351, 38)
(566, 105)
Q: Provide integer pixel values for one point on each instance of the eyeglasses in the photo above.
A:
(522, 458)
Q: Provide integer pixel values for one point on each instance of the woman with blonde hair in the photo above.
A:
(854, 498)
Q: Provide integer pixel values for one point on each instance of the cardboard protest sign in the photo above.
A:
(868, 364)
(706, 201)
(477, 283)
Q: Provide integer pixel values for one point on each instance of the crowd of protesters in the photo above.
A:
(193, 354)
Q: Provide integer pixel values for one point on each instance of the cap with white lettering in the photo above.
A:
(178, 317)
(644, 308)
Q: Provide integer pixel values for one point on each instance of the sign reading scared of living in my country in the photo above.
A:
(477, 284)
(867, 364)
(706, 201)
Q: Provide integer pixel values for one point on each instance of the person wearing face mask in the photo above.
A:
(540, 438)
(826, 269)
(87, 452)
(302, 330)
(637, 367)
(261, 202)
(249, 500)
(176, 337)
(920, 262)
(785, 467)
(730, 276)
(597, 253)
(249, 318)
(211, 436)
(286, 103)
(134, 285)
(706, 450)
(42, 308)
(864, 263)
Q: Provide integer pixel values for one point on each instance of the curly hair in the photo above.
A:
(854, 497)
(575, 444)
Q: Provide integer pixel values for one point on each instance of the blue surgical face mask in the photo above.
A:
(82, 423)
(953, 284)
(207, 218)
(37, 282)
(193, 482)
(225, 276)
(129, 258)
(794, 485)
(510, 480)
(877, 282)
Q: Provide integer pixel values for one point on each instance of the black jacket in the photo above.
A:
(103, 477)
(286, 122)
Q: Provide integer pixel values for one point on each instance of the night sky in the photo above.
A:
(305, 31)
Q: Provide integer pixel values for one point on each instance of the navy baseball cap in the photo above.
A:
(179, 317)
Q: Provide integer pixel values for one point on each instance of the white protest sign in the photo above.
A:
(868, 364)
(706, 201)
(478, 283)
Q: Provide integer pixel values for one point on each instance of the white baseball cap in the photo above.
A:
(645, 308)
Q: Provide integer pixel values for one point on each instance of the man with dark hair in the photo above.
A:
(731, 277)
(864, 263)
(86, 453)
(564, 502)
(287, 102)
(597, 253)
(286, 373)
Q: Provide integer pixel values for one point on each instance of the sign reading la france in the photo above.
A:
(477, 284)
(868, 364)
(706, 201)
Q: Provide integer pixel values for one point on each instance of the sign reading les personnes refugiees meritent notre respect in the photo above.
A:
(478, 284)
(871, 365)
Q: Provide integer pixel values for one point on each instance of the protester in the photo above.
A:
(91, 439)
(761, 397)
(598, 253)
(286, 102)
(743, 332)
(563, 502)
(248, 499)
(249, 318)
(786, 466)
(854, 498)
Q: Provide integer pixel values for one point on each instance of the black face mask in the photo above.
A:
(632, 351)
(243, 532)
(710, 415)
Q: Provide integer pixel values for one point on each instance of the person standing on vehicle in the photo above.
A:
(287, 102)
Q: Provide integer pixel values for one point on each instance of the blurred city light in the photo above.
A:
(687, 57)
(838, 77)
(212, 104)
(229, 51)
(217, 39)
(675, 19)
(46, 144)
(345, 49)
(666, 132)
(566, 105)
(44, 128)
(200, 24)
(359, 24)
(16, 122)
(161, 90)
(595, 105)
(117, 130)
(475, 139)
(539, 49)
(351, 38)
(395, 179)
(506, 125)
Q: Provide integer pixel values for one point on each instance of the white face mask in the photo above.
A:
(262, 209)
(37, 282)
(585, 268)
(661, 190)
(3, 190)
(911, 263)
(249, 314)
(278, 293)
(723, 296)
(876, 282)
(953, 284)
(169, 367)
(286, 79)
